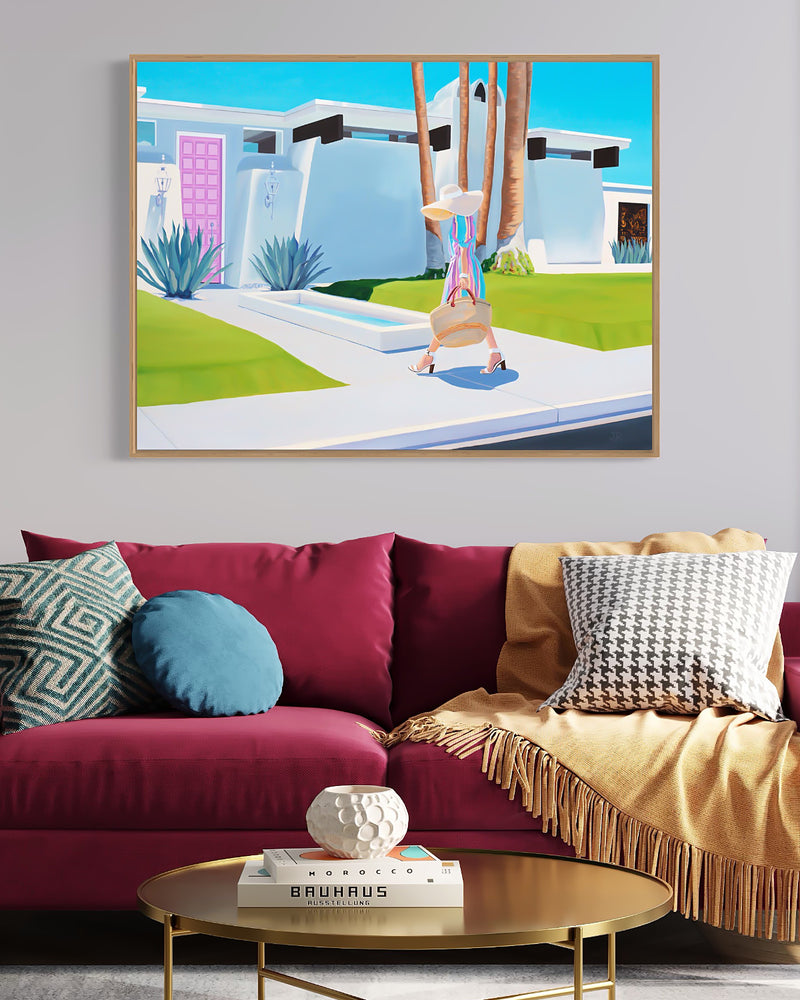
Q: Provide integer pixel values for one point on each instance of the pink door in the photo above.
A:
(201, 187)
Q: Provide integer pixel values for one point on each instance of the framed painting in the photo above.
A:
(439, 255)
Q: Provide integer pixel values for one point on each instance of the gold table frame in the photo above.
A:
(501, 909)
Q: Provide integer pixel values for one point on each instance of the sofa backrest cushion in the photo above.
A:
(328, 606)
(790, 628)
(790, 634)
(449, 622)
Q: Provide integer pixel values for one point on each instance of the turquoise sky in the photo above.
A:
(609, 98)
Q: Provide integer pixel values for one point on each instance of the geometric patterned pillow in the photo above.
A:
(675, 632)
(65, 640)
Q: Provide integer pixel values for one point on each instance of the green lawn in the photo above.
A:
(602, 311)
(184, 356)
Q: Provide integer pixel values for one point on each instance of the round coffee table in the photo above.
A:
(509, 899)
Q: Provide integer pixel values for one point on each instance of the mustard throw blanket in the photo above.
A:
(710, 803)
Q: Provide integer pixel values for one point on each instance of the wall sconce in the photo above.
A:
(272, 184)
(163, 181)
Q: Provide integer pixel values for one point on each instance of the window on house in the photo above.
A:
(382, 135)
(259, 141)
(633, 221)
(568, 154)
(146, 132)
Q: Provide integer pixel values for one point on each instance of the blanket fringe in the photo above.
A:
(756, 900)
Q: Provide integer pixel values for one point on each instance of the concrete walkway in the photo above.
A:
(548, 385)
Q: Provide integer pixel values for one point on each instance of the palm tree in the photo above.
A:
(434, 255)
(528, 78)
(513, 156)
(510, 234)
(488, 156)
(463, 125)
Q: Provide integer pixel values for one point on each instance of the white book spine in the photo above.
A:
(376, 870)
(262, 890)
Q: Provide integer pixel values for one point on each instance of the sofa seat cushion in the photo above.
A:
(328, 606)
(166, 771)
(100, 869)
(443, 792)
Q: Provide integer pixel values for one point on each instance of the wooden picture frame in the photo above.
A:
(284, 278)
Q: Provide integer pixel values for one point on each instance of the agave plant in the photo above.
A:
(286, 264)
(176, 264)
(631, 252)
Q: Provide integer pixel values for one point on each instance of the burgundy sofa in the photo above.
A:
(370, 631)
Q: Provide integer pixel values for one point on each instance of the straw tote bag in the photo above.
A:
(462, 321)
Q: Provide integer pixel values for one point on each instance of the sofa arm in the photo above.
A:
(791, 687)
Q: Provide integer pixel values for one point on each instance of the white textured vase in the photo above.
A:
(357, 821)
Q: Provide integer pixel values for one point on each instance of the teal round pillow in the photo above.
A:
(206, 655)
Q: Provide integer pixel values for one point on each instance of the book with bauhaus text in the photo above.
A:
(257, 887)
(405, 863)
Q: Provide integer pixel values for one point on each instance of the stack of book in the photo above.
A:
(408, 876)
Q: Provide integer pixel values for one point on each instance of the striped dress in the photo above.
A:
(463, 259)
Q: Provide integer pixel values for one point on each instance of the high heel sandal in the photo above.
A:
(498, 364)
(425, 369)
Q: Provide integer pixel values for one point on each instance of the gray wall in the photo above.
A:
(729, 301)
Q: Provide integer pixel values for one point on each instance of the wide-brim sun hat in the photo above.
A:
(453, 201)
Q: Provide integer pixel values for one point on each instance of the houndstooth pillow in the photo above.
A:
(676, 632)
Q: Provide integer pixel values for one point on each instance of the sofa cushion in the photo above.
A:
(677, 632)
(65, 641)
(167, 771)
(328, 606)
(449, 622)
(206, 655)
(540, 650)
(791, 690)
(790, 628)
(444, 792)
(101, 869)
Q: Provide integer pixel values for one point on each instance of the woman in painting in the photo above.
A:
(464, 275)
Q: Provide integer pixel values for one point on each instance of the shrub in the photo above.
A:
(631, 252)
(512, 261)
(488, 263)
(286, 264)
(175, 263)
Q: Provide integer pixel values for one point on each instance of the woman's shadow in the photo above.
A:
(469, 377)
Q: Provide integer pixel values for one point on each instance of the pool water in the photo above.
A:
(343, 314)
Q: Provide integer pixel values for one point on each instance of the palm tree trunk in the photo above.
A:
(488, 156)
(528, 78)
(434, 255)
(513, 190)
(463, 125)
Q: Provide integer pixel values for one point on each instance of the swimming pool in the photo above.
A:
(346, 314)
(381, 328)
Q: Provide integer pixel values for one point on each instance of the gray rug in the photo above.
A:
(428, 982)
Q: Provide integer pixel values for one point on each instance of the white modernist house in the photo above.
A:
(347, 177)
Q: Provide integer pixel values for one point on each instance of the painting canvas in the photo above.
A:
(374, 255)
